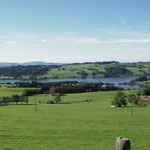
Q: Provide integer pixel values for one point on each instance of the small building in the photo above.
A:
(144, 99)
(56, 94)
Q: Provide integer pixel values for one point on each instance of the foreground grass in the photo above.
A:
(76, 126)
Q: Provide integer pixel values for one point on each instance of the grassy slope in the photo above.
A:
(71, 71)
(143, 83)
(76, 126)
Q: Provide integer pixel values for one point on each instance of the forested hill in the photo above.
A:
(76, 70)
(20, 72)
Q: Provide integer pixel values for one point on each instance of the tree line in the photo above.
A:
(64, 87)
(117, 71)
(14, 99)
(120, 99)
(100, 63)
(141, 78)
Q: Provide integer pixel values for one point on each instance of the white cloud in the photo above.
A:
(44, 40)
(126, 38)
(97, 41)
(24, 36)
(10, 42)
(102, 44)
(122, 41)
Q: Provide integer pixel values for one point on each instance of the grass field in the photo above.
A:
(71, 71)
(5, 91)
(76, 126)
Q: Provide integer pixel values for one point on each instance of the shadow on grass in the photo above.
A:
(64, 103)
(3, 104)
(9, 149)
(15, 104)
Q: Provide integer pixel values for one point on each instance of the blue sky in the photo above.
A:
(74, 30)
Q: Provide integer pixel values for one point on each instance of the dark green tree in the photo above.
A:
(57, 99)
(119, 99)
(93, 74)
(15, 98)
(145, 91)
(133, 98)
(52, 90)
(83, 74)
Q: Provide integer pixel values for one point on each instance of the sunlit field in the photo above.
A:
(79, 125)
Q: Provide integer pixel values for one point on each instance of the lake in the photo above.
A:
(116, 81)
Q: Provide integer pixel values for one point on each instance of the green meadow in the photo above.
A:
(76, 126)
(71, 71)
(8, 90)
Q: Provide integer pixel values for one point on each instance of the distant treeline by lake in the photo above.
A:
(64, 87)
(119, 81)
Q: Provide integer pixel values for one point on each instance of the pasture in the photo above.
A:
(10, 89)
(76, 126)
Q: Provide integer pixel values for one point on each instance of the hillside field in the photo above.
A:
(72, 71)
(77, 70)
(76, 126)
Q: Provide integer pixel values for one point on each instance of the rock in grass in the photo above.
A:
(123, 144)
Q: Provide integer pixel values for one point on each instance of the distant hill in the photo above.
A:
(7, 64)
(41, 63)
(42, 70)
(30, 71)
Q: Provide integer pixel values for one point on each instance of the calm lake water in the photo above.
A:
(116, 81)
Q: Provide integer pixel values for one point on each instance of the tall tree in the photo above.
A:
(133, 98)
(119, 99)
(57, 99)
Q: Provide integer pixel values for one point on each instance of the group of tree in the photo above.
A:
(64, 87)
(100, 63)
(30, 92)
(83, 74)
(56, 100)
(31, 70)
(14, 99)
(36, 84)
(120, 99)
(145, 91)
(141, 78)
(117, 71)
(83, 87)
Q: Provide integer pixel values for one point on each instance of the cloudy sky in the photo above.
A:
(74, 30)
